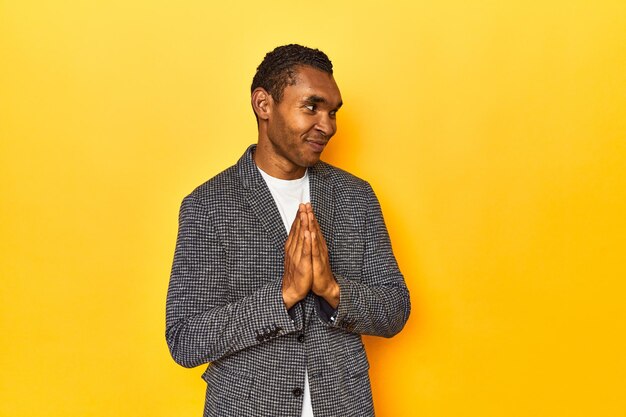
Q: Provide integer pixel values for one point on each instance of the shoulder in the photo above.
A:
(340, 177)
(220, 191)
(344, 183)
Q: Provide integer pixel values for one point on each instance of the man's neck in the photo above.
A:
(277, 167)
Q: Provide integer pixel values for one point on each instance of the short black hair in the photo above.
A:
(278, 68)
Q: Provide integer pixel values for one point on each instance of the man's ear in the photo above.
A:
(262, 103)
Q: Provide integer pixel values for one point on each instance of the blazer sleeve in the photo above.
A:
(378, 302)
(201, 326)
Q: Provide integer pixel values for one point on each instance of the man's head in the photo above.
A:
(279, 66)
(295, 99)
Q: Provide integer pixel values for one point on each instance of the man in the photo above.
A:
(282, 262)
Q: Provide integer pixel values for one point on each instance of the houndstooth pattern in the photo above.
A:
(224, 303)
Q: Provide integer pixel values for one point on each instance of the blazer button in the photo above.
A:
(301, 338)
(260, 337)
(296, 392)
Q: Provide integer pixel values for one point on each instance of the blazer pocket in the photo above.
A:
(359, 365)
(360, 391)
(226, 384)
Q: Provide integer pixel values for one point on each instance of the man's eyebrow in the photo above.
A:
(317, 99)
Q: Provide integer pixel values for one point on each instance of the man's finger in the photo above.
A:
(314, 221)
(296, 243)
(306, 250)
(290, 237)
(312, 218)
(304, 219)
(315, 227)
(315, 249)
(292, 231)
(300, 234)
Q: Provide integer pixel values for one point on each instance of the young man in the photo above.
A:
(282, 262)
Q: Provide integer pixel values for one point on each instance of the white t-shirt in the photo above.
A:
(288, 194)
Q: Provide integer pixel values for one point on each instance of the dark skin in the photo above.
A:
(294, 132)
(292, 135)
(307, 266)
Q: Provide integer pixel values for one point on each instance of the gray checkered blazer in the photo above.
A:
(224, 303)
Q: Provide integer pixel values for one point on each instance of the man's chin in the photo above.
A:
(312, 160)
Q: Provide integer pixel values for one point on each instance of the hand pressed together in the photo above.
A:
(307, 266)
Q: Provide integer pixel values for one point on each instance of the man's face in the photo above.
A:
(303, 122)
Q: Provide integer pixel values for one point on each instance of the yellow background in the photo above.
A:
(494, 133)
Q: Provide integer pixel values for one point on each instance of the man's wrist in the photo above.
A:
(332, 294)
(289, 299)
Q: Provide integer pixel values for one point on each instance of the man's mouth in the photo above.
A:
(317, 145)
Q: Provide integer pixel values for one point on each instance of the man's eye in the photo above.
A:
(310, 107)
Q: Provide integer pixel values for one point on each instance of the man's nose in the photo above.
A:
(326, 125)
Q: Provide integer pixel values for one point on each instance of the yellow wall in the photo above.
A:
(494, 133)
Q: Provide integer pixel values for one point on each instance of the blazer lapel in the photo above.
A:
(261, 200)
(322, 190)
